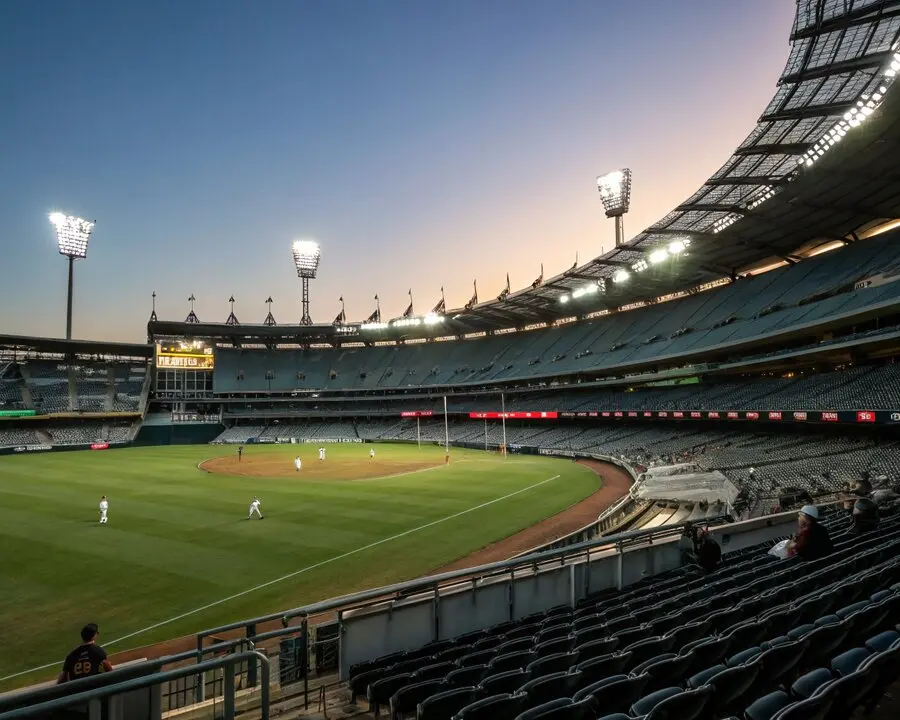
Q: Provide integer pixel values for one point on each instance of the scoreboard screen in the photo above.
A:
(184, 356)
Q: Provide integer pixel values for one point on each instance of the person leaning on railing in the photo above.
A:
(87, 659)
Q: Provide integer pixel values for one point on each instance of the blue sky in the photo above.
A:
(423, 144)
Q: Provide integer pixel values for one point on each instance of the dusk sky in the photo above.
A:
(423, 144)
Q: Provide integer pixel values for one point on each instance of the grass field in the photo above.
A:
(178, 538)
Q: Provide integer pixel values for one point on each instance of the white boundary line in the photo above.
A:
(297, 572)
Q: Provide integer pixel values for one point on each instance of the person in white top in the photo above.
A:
(104, 508)
(321, 453)
(254, 508)
(372, 453)
(298, 463)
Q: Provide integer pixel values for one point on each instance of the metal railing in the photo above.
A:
(93, 697)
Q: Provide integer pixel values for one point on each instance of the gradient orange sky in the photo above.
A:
(421, 146)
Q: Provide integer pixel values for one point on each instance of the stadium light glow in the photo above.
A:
(306, 257)
(374, 326)
(621, 276)
(72, 237)
(564, 299)
(433, 319)
(658, 256)
(640, 265)
(615, 193)
(678, 246)
(306, 254)
(72, 234)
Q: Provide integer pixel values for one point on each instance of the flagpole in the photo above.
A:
(503, 419)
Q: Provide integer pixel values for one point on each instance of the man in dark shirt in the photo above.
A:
(709, 554)
(87, 659)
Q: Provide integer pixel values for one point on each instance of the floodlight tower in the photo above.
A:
(72, 236)
(615, 192)
(306, 259)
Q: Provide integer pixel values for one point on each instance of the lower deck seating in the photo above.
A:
(759, 638)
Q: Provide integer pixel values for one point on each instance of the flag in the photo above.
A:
(540, 278)
(409, 310)
(375, 317)
(502, 296)
(575, 265)
(441, 306)
(339, 320)
(473, 301)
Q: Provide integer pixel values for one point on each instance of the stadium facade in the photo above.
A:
(752, 334)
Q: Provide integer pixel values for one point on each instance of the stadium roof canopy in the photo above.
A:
(19, 344)
(819, 165)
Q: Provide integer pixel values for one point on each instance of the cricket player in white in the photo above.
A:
(104, 508)
(321, 453)
(372, 453)
(298, 463)
(254, 508)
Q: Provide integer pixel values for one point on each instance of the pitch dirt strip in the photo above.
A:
(296, 573)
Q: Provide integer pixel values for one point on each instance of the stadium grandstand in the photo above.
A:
(738, 359)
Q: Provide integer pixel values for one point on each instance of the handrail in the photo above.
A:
(92, 696)
(429, 582)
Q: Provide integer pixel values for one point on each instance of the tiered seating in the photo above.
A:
(11, 437)
(748, 308)
(774, 638)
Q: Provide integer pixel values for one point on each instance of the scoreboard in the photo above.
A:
(183, 356)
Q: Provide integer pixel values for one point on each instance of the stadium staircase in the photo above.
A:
(110, 398)
(25, 388)
(73, 391)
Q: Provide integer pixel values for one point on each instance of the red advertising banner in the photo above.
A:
(605, 413)
(829, 416)
(662, 413)
(530, 415)
(732, 415)
(417, 413)
(677, 413)
(632, 413)
(713, 415)
(753, 416)
(648, 413)
(617, 413)
(696, 414)
(775, 415)
(99, 446)
(865, 416)
(800, 416)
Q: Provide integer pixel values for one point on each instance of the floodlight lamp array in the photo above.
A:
(855, 116)
(72, 234)
(587, 290)
(430, 319)
(306, 255)
(346, 329)
(615, 192)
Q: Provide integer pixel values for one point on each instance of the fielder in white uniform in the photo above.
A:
(298, 463)
(372, 453)
(104, 508)
(254, 508)
(321, 453)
